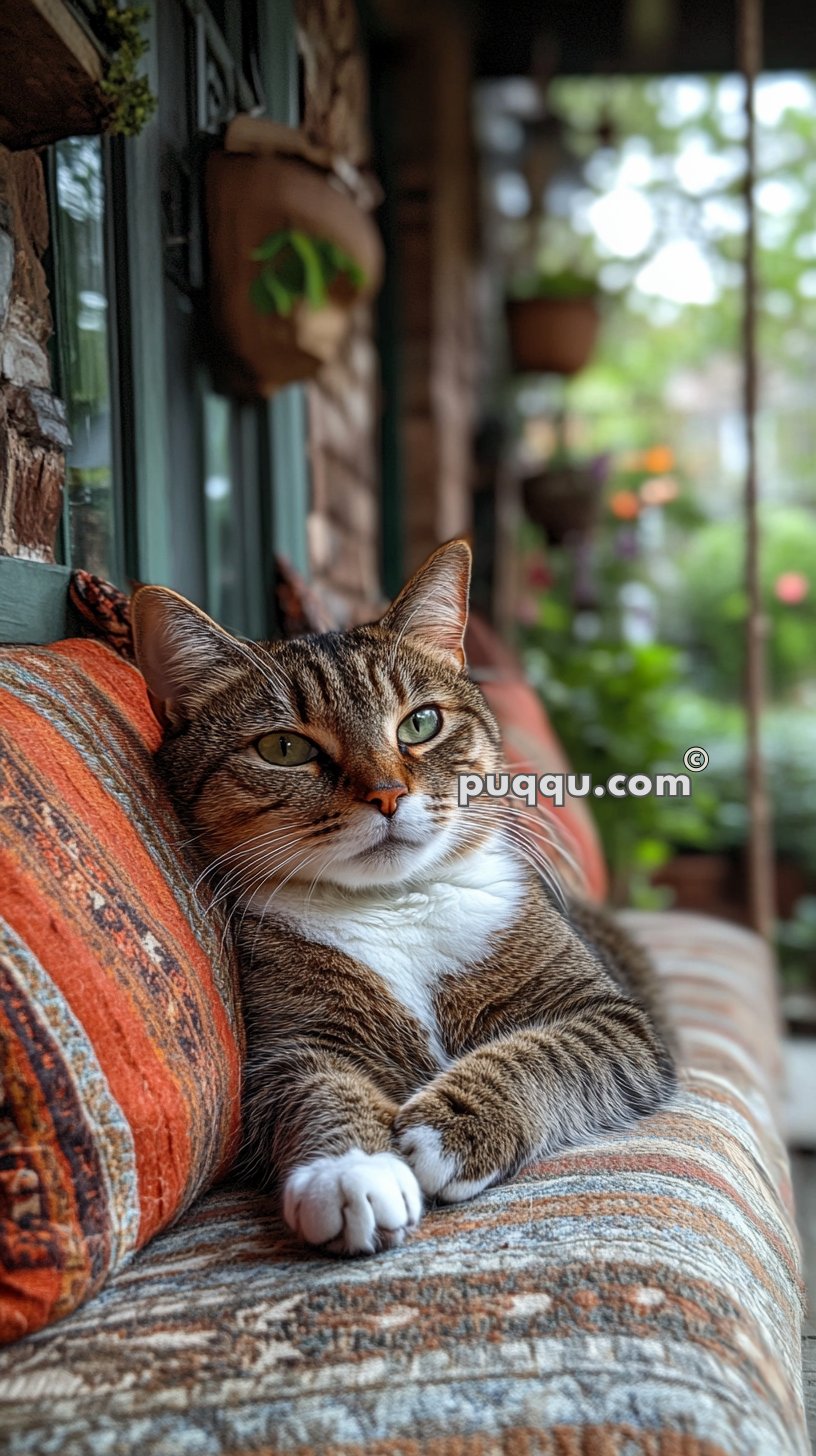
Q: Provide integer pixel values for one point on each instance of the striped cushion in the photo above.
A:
(636, 1297)
(120, 1054)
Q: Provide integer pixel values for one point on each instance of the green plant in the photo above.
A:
(566, 284)
(711, 604)
(796, 943)
(296, 268)
(604, 699)
(132, 101)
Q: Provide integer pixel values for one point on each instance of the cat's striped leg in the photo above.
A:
(324, 1129)
(532, 1092)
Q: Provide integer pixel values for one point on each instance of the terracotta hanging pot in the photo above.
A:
(267, 179)
(551, 335)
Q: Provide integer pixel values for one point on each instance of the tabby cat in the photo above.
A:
(423, 1017)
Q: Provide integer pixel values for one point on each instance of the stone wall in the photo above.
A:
(33, 434)
(344, 516)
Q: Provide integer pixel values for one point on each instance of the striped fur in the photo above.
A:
(411, 985)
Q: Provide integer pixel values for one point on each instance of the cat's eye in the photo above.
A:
(286, 750)
(420, 726)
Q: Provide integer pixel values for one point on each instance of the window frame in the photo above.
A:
(271, 458)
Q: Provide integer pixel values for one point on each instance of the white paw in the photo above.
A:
(354, 1204)
(437, 1172)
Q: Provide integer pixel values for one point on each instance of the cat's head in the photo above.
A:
(331, 758)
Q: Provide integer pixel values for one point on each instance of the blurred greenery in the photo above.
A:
(636, 638)
(709, 609)
(604, 699)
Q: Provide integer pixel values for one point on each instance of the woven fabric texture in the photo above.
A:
(639, 1296)
(119, 1035)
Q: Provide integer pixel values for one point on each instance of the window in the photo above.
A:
(92, 518)
(165, 480)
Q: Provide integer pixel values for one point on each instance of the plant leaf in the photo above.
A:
(269, 248)
(259, 296)
(314, 278)
(282, 298)
(339, 261)
(269, 295)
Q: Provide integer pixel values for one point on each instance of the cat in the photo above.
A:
(423, 1017)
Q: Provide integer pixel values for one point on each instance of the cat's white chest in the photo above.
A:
(414, 937)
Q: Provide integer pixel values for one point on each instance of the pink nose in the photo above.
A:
(386, 797)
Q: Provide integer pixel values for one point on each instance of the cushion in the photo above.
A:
(639, 1296)
(567, 831)
(118, 1026)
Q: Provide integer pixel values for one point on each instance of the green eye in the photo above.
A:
(286, 750)
(420, 726)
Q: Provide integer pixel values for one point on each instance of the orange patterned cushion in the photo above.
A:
(118, 1023)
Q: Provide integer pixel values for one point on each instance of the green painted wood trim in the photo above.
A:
(146, 484)
(290, 476)
(34, 601)
(289, 483)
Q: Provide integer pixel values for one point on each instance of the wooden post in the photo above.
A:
(760, 845)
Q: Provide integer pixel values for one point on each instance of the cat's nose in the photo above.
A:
(386, 797)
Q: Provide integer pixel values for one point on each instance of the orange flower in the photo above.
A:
(658, 460)
(625, 505)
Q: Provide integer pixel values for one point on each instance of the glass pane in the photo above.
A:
(224, 601)
(82, 341)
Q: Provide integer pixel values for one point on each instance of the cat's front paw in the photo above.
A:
(447, 1146)
(355, 1203)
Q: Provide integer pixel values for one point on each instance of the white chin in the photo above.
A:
(386, 863)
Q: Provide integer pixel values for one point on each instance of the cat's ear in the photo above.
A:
(179, 650)
(433, 606)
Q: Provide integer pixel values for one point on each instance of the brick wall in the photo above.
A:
(33, 435)
(344, 517)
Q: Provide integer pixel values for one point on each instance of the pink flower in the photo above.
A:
(791, 588)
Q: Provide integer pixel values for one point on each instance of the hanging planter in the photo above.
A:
(564, 500)
(291, 252)
(553, 325)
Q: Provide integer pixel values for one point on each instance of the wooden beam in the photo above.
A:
(50, 75)
(760, 841)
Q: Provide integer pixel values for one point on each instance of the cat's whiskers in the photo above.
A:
(228, 883)
(275, 891)
(531, 817)
(243, 900)
(531, 824)
(264, 856)
(556, 820)
(265, 835)
(529, 851)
